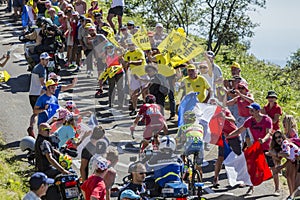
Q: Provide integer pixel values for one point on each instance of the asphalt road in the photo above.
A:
(15, 112)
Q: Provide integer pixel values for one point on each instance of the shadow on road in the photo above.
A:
(18, 84)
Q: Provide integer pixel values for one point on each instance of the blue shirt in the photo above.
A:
(65, 133)
(44, 100)
(57, 90)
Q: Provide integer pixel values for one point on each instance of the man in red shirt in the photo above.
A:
(260, 127)
(272, 109)
(94, 187)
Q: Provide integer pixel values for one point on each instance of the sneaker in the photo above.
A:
(98, 93)
(172, 117)
(30, 132)
(277, 193)
(133, 113)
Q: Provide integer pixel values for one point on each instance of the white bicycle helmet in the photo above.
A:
(167, 144)
(27, 143)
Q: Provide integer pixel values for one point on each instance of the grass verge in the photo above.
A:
(14, 174)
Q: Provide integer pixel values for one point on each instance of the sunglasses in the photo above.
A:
(241, 88)
(46, 129)
(142, 173)
(278, 137)
(203, 67)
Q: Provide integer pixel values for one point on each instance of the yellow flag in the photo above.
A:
(4, 76)
(178, 48)
(141, 39)
(111, 35)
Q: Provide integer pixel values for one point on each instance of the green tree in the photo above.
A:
(293, 70)
(225, 22)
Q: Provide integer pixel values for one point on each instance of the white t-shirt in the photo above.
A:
(35, 84)
(116, 3)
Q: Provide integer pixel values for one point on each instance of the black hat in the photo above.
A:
(271, 93)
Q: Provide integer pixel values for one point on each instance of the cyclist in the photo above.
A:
(150, 113)
(189, 139)
(167, 166)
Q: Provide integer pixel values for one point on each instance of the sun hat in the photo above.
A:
(52, 75)
(271, 93)
(190, 66)
(159, 25)
(235, 65)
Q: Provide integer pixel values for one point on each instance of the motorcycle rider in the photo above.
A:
(45, 154)
(167, 166)
(137, 176)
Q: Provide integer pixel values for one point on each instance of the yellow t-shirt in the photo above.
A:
(198, 84)
(136, 55)
(164, 69)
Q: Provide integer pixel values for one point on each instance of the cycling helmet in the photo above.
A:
(189, 117)
(27, 143)
(40, 21)
(167, 143)
(150, 98)
(97, 14)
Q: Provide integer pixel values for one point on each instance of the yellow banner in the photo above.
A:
(111, 35)
(141, 39)
(178, 49)
(4, 76)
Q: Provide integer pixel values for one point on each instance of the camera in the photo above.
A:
(232, 91)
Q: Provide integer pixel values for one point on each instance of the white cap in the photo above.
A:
(159, 25)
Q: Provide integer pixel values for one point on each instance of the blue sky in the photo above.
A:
(278, 35)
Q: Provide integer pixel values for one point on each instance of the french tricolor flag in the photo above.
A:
(249, 168)
(209, 116)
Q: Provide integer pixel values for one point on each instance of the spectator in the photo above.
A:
(129, 195)
(272, 109)
(63, 5)
(47, 104)
(115, 75)
(116, 9)
(290, 126)
(80, 6)
(131, 27)
(125, 36)
(67, 131)
(38, 185)
(45, 154)
(38, 77)
(243, 99)
(54, 18)
(281, 147)
(17, 5)
(236, 71)
(94, 187)
(159, 35)
(138, 174)
(94, 8)
(48, 6)
(196, 83)
(260, 127)
(134, 60)
(88, 47)
(89, 150)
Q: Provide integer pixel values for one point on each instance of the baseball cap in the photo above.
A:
(244, 85)
(88, 25)
(123, 27)
(129, 194)
(130, 23)
(52, 75)
(235, 64)
(159, 25)
(100, 163)
(50, 82)
(210, 54)
(60, 13)
(254, 106)
(44, 55)
(48, 3)
(190, 66)
(92, 28)
(51, 9)
(271, 93)
(39, 178)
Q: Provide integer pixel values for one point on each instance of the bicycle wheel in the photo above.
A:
(196, 178)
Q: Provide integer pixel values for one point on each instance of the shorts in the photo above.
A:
(136, 84)
(269, 160)
(191, 149)
(17, 3)
(118, 10)
(32, 100)
(153, 128)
